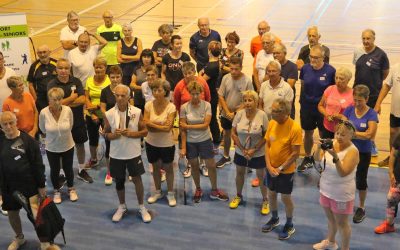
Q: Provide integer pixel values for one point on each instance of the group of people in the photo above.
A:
(133, 97)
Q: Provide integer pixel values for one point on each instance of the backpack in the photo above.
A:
(49, 222)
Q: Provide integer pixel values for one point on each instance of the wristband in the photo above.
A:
(280, 168)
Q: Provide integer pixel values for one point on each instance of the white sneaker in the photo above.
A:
(171, 199)
(204, 170)
(16, 244)
(146, 217)
(57, 197)
(155, 196)
(188, 172)
(121, 211)
(3, 212)
(325, 245)
(73, 196)
(163, 175)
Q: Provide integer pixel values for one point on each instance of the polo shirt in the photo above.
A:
(199, 44)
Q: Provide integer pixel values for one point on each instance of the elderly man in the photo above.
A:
(199, 42)
(112, 33)
(82, 57)
(5, 73)
(230, 98)
(263, 57)
(313, 36)
(70, 33)
(21, 169)
(125, 128)
(315, 77)
(372, 67)
(283, 141)
(74, 97)
(41, 72)
(256, 43)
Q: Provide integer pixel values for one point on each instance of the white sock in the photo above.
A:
(81, 166)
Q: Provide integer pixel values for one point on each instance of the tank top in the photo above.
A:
(128, 68)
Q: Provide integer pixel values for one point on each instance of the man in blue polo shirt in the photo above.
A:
(315, 77)
(199, 42)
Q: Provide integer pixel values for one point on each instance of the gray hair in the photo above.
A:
(274, 63)
(270, 35)
(165, 28)
(13, 81)
(284, 105)
(56, 92)
(123, 86)
(7, 113)
(361, 90)
(370, 31)
(71, 14)
(281, 46)
(319, 47)
(313, 28)
(345, 72)
(127, 26)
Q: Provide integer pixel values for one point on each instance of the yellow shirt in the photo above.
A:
(95, 92)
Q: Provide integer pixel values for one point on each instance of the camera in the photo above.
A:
(326, 144)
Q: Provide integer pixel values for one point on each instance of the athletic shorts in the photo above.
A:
(283, 183)
(203, 149)
(311, 120)
(79, 134)
(337, 207)
(254, 163)
(394, 121)
(134, 166)
(165, 154)
(226, 124)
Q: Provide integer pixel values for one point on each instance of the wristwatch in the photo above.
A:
(335, 160)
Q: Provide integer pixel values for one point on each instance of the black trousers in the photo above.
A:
(55, 160)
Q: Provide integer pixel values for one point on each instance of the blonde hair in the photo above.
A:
(194, 85)
(250, 93)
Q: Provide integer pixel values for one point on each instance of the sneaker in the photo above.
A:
(308, 162)
(223, 161)
(144, 213)
(16, 243)
(384, 162)
(57, 197)
(163, 175)
(255, 182)
(171, 199)
(385, 227)
(287, 231)
(235, 202)
(188, 172)
(218, 195)
(270, 225)
(374, 149)
(73, 196)
(91, 164)
(155, 196)
(47, 245)
(204, 170)
(359, 215)
(121, 211)
(3, 212)
(108, 180)
(325, 245)
(265, 208)
(197, 195)
(61, 181)
(84, 176)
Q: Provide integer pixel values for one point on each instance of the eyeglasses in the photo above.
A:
(315, 57)
(348, 125)
(277, 111)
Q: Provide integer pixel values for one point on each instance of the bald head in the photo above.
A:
(108, 18)
(43, 53)
(368, 39)
(263, 27)
(8, 122)
(204, 25)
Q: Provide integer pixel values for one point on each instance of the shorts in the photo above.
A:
(254, 163)
(10, 204)
(134, 166)
(394, 121)
(326, 134)
(362, 171)
(337, 207)
(226, 124)
(203, 149)
(311, 120)
(282, 183)
(165, 154)
(79, 134)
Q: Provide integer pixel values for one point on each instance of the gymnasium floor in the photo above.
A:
(212, 225)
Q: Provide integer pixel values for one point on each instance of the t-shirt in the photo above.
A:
(314, 84)
(160, 139)
(196, 115)
(199, 44)
(280, 139)
(147, 93)
(182, 95)
(24, 110)
(108, 97)
(82, 62)
(250, 132)
(231, 90)
(336, 103)
(112, 35)
(139, 100)
(262, 60)
(161, 49)
(5, 91)
(173, 72)
(393, 81)
(212, 71)
(68, 35)
(269, 94)
(369, 69)
(225, 59)
(95, 92)
(289, 71)
(304, 53)
(361, 125)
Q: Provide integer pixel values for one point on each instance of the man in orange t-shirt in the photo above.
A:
(256, 43)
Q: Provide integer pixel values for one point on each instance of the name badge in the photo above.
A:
(115, 38)
(363, 125)
(322, 78)
(17, 157)
(73, 87)
(16, 110)
(134, 47)
(44, 73)
(341, 205)
(342, 101)
(368, 64)
(180, 62)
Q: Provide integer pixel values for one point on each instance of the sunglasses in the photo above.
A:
(348, 124)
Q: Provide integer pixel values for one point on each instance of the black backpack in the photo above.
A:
(49, 222)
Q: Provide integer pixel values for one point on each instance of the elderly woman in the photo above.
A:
(195, 117)
(55, 121)
(365, 120)
(129, 49)
(335, 100)
(232, 40)
(159, 116)
(22, 105)
(248, 130)
(94, 117)
(163, 46)
(151, 76)
(139, 77)
(337, 184)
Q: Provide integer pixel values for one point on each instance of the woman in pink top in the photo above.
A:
(335, 100)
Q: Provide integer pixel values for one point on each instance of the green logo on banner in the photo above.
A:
(5, 45)
(14, 31)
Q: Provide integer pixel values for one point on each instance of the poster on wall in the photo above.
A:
(14, 42)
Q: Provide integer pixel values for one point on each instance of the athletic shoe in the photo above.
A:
(108, 180)
(223, 161)
(57, 197)
(91, 164)
(308, 162)
(84, 176)
(188, 172)
(163, 175)
(359, 215)
(385, 227)
(325, 245)
(374, 150)
(47, 245)
(265, 208)
(204, 170)
(144, 213)
(3, 212)
(197, 195)
(171, 199)
(218, 195)
(73, 196)
(288, 230)
(155, 196)
(61, 181)
(121, 211)
(384, 162)
(235, 202)
(16, 243)
(270, 225)
(255, 182)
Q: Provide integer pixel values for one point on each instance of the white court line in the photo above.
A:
(64, 20)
